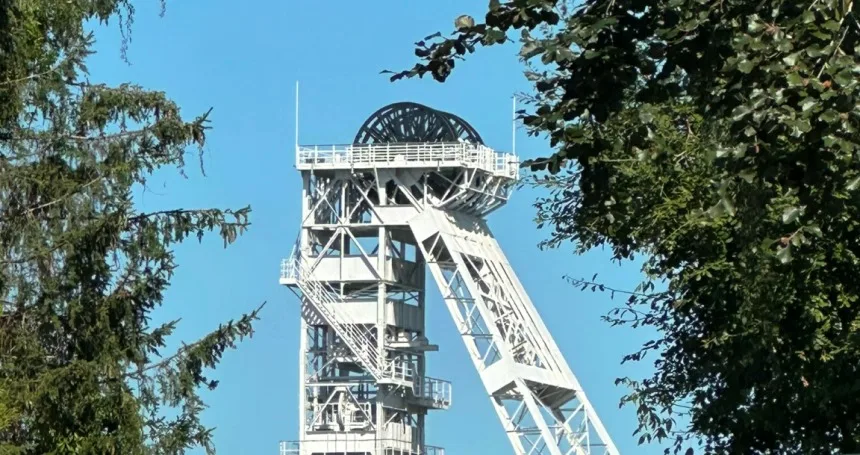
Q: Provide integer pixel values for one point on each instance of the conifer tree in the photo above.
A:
(81, 269)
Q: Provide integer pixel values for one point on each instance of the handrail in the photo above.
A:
(436, 390)
(430, 153)
(289, 448)
(321, 297)
(389, 446)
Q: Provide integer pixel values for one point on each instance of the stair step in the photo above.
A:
(356, 340)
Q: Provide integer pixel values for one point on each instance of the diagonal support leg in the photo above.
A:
(509, 345)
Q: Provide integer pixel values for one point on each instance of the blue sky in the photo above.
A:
(242, 59)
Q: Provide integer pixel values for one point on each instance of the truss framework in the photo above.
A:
(368, 231)
(361, 284)
(535, 394)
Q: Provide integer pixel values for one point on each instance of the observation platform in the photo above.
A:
(414, 155)
(353, 444)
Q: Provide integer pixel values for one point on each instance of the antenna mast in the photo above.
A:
(297, 116)
(514, 127)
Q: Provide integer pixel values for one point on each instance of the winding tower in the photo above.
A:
(411, 194)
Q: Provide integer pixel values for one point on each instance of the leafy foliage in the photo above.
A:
(80, 269)
(720, 141)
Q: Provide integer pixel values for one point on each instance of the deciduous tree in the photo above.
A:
(718, 140)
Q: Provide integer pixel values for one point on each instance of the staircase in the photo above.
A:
(325, 301)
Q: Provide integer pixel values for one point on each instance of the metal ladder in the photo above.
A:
(325, 301)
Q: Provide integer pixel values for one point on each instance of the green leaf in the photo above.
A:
(829, 116)
(740, 112)
(689, 25)
(746, 66)
(797, 238)
(717, 210)
(791, 59)
(814, 51)
(790, 214)
(755, 24)
(831, 25)
(766, 244)
(814, 230)
(645, 116)
(844, 77)
(784, 254)
(530, 50)
(729, 207)
(853, 184)
(808, 103)
(794, 79)
(785, 46)
(495, 36)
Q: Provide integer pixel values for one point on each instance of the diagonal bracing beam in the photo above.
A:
(540, 403)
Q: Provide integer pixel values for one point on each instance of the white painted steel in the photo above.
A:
(407, 155)
(537, 397)
(363, 383)
(324, 301)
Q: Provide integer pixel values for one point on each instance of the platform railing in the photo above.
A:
(398, 447)
(349, 416)
(433, 450)
(289, 448)
(435, 390)
(289, 270)
(390, 446)
(395, 154)
(400, 370)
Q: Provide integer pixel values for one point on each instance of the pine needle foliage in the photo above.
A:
(81, 269)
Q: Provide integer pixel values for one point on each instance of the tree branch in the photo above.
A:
(224, 330)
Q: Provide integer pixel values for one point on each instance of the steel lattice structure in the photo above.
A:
(410, 194)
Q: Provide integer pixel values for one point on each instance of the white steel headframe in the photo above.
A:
(374, 216)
